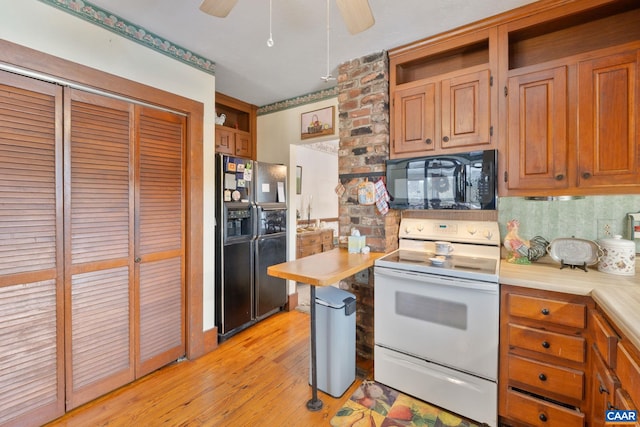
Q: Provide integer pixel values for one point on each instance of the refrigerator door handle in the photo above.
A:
(255, 214)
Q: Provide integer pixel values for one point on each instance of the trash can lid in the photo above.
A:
(332, 297)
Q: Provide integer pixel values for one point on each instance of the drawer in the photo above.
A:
(547, 378)
(327, 237)
(548, 310)
(309, 240)
(549, 343)
(537, 412)
(628, 371)
(304, 251)
(605, 338)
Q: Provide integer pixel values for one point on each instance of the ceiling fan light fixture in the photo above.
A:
(219, 8)
(357, 14)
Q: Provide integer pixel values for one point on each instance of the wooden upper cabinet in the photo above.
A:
(537, 129)
(608, 133)
(237, 135)
(441, 96)
(415, 119)
(570, 114)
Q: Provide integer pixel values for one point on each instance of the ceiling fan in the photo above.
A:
(355, 13)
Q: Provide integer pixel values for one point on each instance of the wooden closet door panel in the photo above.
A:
(160, 240)
(31, 317)
(99, 242)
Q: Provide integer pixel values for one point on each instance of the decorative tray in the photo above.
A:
(572, 251)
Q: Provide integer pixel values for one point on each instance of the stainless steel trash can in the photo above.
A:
(335, 340)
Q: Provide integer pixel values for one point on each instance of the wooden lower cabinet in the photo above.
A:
(543, 358)
(313, 242)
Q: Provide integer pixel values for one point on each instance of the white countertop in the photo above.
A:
(617, 296)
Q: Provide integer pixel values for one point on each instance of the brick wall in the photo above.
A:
(363, 105)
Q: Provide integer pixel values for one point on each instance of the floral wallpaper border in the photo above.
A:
(111, 22)
(309, 98)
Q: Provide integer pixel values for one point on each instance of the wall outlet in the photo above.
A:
(605, 228)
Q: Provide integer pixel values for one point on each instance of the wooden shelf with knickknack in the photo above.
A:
(235, 127)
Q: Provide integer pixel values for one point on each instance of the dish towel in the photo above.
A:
(382, 197)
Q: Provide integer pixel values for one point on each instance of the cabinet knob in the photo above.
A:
(546, 344)
(559, 177)
(545, 311)
(138, 259)
(586, 175)
(542, 417)
(428, 140)
(542, 377)
(602, 389)
(445, 139)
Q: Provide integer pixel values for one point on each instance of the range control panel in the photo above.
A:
(461, 231)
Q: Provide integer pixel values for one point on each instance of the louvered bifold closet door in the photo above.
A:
(31, 287)
(98, 245)
(160, 239)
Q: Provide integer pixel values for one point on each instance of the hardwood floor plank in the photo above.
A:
(256, 378)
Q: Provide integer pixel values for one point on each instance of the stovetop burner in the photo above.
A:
(476, 248)
(469, 267)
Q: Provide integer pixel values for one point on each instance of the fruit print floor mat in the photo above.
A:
(376, 405)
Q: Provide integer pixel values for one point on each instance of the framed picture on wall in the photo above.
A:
(317, 123)
(298, 179)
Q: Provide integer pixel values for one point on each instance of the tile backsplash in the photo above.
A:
(593, 217)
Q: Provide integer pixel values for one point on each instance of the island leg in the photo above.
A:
(314, 404)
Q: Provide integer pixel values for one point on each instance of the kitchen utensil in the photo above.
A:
(618, 257)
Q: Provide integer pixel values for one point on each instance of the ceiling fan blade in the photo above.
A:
(219, 8)
(356, 14)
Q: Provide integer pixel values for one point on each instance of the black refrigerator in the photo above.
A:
(250, 236)
(271, 240)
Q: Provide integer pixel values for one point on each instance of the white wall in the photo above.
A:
(47, 29)
(278, 136)
(319, 179)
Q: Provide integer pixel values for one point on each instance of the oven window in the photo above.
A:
(442, 312)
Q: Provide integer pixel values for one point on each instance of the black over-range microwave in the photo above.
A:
(448, 181)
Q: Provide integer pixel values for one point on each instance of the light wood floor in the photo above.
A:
(256, 378)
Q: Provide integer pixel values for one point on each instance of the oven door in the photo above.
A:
(449, 321)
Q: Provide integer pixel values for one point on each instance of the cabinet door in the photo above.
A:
(225, 141)
(414, 112)
(466, 115)
(603, 388)
(31, 252)
(537, 130)
(608, 134)
(159, 249)
(242, 142)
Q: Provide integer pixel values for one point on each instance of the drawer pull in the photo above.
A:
(545, 311)
(543, 418)
(542, 377)
(545, 344)
(611, 407)
(602, 389)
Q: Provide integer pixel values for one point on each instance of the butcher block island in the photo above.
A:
(569, 345)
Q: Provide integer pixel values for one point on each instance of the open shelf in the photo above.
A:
(602, 27)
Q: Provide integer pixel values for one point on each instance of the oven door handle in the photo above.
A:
(427, 279)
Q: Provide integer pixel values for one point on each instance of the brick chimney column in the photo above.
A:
(363, 105)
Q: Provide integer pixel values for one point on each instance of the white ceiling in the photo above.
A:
(249, 70)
